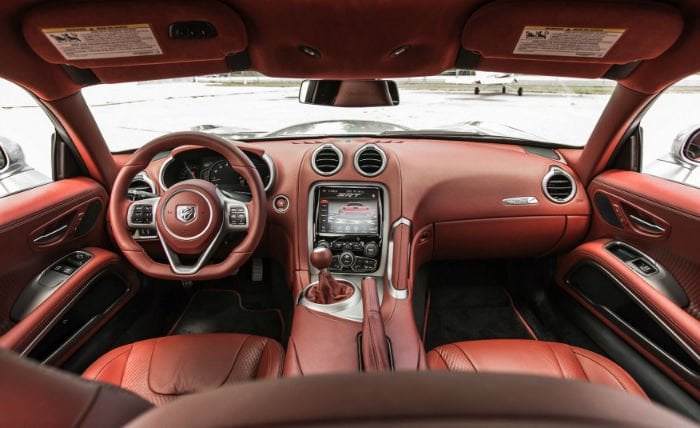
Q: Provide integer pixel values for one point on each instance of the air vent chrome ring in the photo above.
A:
(553, 172)
(360, 152)
(315, 154)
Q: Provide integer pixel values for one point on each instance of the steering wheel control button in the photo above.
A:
(142, 214)
(280, 203)
(237, 216)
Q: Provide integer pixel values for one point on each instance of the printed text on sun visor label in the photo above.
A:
(113, 41)
(562, 41)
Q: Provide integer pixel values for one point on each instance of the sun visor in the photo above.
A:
(571, 31)
(130, 32)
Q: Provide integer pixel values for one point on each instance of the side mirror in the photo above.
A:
(686, 146)
(11, 157)
(3, 160)
(349, 93)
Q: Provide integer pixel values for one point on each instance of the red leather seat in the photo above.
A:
(534, 358)
(160, 370)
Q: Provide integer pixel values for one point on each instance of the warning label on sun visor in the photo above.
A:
(113, 41)
(563, 41)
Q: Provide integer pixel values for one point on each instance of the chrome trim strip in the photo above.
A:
(395, 293)
(165, 164)
(643, 223)
(274, 206)
(332, 307)
(174, 260)
(554, 170)
(273, 171)
(46, 236)
(333, 147)
(521, 200)
(364, 148)
(311, 222)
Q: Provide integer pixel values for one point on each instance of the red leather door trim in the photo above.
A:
(675, 206)
(681, 322)
(26, 214)
(19, 337)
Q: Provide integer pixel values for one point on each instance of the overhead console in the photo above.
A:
(348, 220)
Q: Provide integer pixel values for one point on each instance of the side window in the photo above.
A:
(671, 144)
(25, 141)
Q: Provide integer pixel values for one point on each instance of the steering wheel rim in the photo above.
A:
(119, 209)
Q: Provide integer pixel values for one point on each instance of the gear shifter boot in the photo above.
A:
(328, 290)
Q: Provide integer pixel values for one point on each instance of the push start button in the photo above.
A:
(281, 203)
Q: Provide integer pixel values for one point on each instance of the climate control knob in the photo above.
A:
(371, 249)
(347, 259)
(323, 244)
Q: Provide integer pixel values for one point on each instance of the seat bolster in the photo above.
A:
(165, 368)
(110, 367)
(601, 370)
(533, 358)
(271, 361)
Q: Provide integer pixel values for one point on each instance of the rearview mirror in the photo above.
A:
(349, 93)
(686, 146)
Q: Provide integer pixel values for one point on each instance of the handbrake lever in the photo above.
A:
(375, 349)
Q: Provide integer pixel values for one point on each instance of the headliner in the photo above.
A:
(356, 37)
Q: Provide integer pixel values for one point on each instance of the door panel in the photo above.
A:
(671, 206)
(644, 248)
(41, 225)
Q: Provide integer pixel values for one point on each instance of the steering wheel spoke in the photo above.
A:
(175, 261)
(141, 214)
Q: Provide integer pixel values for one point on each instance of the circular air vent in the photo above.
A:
(327, 159)
(370, 160)
(558, 185)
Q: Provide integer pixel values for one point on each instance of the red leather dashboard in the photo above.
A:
(457, 188)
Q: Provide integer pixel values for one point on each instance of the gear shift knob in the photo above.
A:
(321, 258)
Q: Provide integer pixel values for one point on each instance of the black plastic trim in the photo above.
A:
(467, 60)
(546, 152)
(690, 374)
(655, 383)
(238, 62)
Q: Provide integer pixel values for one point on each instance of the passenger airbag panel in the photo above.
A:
(498, 237)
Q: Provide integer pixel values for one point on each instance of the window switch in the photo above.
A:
(644, 267)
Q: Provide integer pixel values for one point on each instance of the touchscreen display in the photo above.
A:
(352, 211)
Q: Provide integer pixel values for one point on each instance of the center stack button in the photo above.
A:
(347, 259)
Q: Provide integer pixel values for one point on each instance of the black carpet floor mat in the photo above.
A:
(221, 311)
(470, 312)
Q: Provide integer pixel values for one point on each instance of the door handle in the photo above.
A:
(50, 235)
(655, 228)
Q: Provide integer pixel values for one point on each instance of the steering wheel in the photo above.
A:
(192, 218)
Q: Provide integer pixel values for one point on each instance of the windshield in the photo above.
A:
(552, 110)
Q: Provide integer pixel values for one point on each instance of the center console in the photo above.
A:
(348, 219)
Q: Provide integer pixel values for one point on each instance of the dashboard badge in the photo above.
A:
(186, 213)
